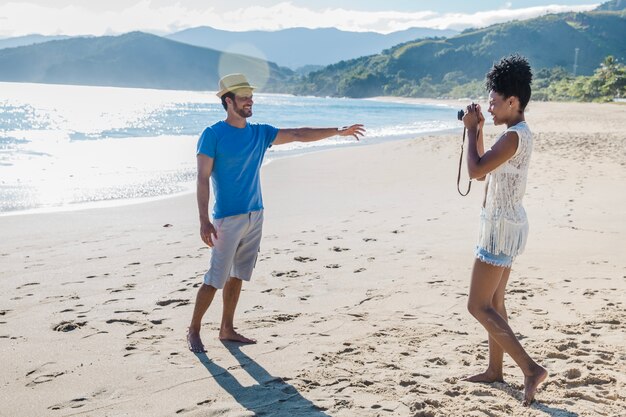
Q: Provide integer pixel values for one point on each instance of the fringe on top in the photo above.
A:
(503, 221)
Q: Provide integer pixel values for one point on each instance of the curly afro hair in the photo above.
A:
(511, 76)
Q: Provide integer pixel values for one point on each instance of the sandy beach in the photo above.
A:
(358, 300)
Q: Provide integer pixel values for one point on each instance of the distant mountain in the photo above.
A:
(28, 40)
(548, 41)
(132, 60)
(298, 47)
(614, 5)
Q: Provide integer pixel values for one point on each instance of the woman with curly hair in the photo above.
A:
(503, 223)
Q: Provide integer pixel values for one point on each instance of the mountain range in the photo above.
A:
(142, 60)
(135, 59)
(296, 48)
(28, 40)
(556, 40)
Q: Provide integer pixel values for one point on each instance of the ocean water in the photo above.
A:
(65, 147)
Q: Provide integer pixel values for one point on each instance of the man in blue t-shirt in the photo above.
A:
(230, 154)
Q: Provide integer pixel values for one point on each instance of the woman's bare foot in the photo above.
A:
(531, 383)
(194, 343)
(488, 376)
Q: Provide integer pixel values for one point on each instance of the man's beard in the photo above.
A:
(245, 113)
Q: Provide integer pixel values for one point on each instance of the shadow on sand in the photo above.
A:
(537, 405)
(271, 396)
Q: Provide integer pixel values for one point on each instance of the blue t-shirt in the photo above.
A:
(237, 157)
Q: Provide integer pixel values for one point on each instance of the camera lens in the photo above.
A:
(460, 114)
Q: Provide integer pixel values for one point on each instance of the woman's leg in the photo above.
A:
(485, 282)
(496, 354)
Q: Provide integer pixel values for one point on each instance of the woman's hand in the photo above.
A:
(472, 117)
(481, 118)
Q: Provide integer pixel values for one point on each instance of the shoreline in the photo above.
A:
(358, 298)
(72, 207)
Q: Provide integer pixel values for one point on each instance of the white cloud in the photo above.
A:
(26, 18)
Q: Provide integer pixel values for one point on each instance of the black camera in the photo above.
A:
(461, 113)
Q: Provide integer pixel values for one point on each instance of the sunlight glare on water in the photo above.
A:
(62, 145)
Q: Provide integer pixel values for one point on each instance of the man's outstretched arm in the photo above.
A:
(311, 134)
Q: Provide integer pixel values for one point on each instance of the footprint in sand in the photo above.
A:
(68, 326)
(129, 311)
(123, 321)
(481, 393)
(179, 302)
(274, 291)
(565, 346)
(286, 274)
(44, 378)
(75, 403)
(27, 285)
(273, 320)
(41, 375)
(255, 308)
(557, 355)
(438, 361)
(72, 282)
(126, 287)
(304, 259)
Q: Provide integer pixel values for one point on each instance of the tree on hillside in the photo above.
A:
(611, 78)
(607, 82)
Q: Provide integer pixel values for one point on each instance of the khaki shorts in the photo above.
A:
(236, 248)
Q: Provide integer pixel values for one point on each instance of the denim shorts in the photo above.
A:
(501, 260)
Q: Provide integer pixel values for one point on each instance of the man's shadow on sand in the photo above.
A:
(270, 396)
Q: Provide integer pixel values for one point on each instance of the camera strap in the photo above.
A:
(458, 178)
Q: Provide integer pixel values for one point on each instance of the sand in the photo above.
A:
(358, 299)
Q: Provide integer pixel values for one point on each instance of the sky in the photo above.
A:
(99, 17)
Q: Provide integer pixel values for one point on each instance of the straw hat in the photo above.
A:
(233, 82)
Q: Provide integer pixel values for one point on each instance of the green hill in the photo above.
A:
(410, 68)
(132, 60)
(612, 5)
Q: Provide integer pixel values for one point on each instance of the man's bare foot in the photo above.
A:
(194, 343)
(233, 336)
(486, 376)
(531, 383)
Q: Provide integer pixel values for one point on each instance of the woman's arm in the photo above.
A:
(480, 165)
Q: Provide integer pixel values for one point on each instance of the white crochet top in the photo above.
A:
(503, 222)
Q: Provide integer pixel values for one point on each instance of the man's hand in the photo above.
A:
(354, 130)
(206, 230)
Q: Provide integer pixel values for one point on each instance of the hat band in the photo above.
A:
(236, 86)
